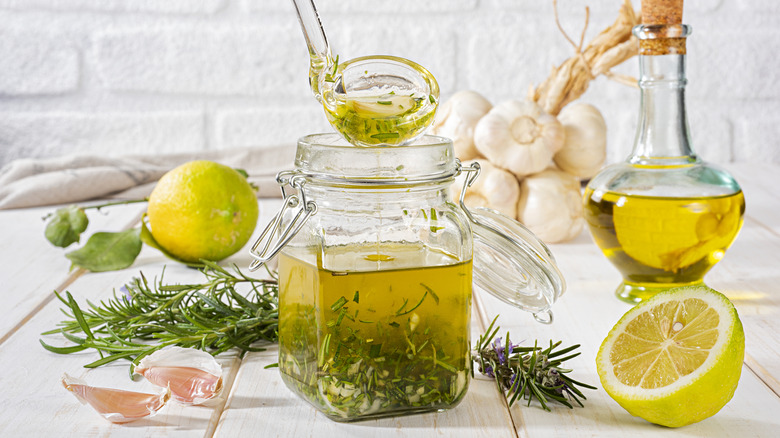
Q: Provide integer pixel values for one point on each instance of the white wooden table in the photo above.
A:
(34, 404)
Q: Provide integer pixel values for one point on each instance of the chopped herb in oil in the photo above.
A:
(411, 355)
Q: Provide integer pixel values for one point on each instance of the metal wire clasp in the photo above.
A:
(306, 208)
(472, 173)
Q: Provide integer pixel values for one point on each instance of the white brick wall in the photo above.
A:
(134, 76)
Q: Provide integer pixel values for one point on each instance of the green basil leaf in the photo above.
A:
(108, 251)
(66, 226)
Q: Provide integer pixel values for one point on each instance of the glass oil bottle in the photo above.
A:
(663, 217)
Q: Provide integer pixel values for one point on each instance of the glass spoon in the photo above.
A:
(376, 100)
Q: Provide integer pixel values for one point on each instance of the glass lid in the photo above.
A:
(509, 261)
(329, 159)
(513, 265)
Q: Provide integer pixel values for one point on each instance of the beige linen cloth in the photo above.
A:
(69, 179)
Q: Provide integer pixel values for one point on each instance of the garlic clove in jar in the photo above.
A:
(551, 205)
(585, 149)
(116, 405)
(519, 136)
(386, 106)
(457, 118)
(193, 376)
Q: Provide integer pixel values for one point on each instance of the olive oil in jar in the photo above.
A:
(662, 242)
(386, 335)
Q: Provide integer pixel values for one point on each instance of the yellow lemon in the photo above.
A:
(202, 210)
(676, 358)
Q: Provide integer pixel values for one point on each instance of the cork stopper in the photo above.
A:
(662, 15)
(662, 11)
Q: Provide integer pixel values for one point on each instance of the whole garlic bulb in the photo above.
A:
(495, 188)
(585, 149)
(519, 136)
(457, 118)
(551, 205)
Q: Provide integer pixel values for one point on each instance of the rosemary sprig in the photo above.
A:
(212, 316)
(528, 372)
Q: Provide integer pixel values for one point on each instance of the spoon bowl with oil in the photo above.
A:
(371, 100)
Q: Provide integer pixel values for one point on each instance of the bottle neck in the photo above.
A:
(662, 138)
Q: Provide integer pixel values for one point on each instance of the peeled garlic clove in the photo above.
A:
(116, 405)
(194, 376)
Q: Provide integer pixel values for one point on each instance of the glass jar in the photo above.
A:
(663, 217)
(375, 276)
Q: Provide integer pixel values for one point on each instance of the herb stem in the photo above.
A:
(211, 316)
(107, 204)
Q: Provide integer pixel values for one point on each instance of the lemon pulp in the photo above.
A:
(661, 345)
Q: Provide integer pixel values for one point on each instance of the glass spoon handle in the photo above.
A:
(319, 50)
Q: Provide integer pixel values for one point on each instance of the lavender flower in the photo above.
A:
(498, 347)
(128, 297)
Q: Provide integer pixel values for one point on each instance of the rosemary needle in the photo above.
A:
(142, 318)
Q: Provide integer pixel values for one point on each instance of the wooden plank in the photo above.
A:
(584, 315)
(260, 395)
(749, 273)
(750, 277)
(31, 388)
(31, 268)
(259, 401)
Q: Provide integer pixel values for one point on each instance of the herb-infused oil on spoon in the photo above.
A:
(372, 100)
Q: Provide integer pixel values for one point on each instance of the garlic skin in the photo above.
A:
(551, 205)
(116, 405)
(193, 376)
(585, 149)
(519, 136)
(495, 188)
(457, 119)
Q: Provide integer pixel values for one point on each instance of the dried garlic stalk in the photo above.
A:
(611, 47)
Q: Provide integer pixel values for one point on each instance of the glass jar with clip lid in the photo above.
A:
(375, 276)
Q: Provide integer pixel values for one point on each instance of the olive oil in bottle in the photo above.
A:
(661, 242)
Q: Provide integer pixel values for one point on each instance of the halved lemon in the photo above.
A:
(676, 358)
